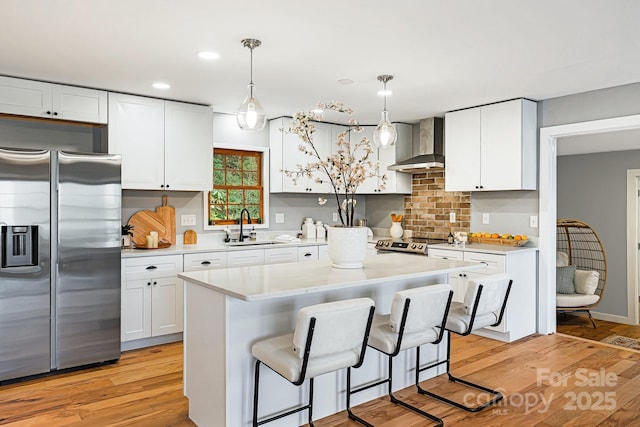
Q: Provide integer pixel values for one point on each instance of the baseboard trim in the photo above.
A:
(612, 318)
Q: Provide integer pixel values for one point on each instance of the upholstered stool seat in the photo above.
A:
(417, 317)
(484, 303)
(327, 337)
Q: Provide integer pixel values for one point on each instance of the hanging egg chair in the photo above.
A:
(581, 262)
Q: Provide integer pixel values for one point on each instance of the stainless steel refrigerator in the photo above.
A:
(59, 260)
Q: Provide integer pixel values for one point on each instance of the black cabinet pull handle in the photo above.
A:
(167, 185)
(155, 283)
(152, 267)
(49, 112)
(307, 254)
(205, 263)
(148, 283)
(55, 113)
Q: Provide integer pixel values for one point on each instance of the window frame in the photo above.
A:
(265, 186)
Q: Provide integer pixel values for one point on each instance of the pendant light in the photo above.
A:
(385, 134)
(250, 115)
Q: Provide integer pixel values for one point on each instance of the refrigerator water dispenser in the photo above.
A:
(19, 245)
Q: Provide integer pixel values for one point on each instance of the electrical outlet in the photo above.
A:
(485, 218)
(335, 217)
(452, 217)
(187, 220)
(533, 221)
(279, 218)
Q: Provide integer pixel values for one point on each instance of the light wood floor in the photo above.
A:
(580, 326)
(145, 389)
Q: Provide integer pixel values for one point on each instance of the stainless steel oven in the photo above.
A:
(417, 246)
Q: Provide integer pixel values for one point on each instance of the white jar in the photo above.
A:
(321, 232)
(308, 229)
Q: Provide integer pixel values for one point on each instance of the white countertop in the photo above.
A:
(212, 247)
(484, 248)
(263, 282)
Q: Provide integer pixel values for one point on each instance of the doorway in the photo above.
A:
(548, 209)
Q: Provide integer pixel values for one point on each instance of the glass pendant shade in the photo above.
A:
(385, 134)
(250, 115)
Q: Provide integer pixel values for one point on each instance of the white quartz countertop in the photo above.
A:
(484, 248)
(263, 282)
(213, 247)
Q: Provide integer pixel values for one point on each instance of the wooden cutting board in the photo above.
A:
(145, 222)
(190, 237)
(168, 215)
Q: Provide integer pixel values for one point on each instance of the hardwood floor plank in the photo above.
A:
(144, 389)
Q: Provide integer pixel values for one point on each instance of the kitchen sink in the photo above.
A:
(254, 243)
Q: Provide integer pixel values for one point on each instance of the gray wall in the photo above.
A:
(297, 207)
(593, 189)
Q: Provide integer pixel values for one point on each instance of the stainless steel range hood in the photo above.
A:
(428, 148)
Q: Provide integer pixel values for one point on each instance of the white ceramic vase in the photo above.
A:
(396, 230)
(347, 246)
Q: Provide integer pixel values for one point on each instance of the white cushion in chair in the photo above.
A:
(586, 281)
(458, 320)
(426, 312)
(277, 353)
(340, 326)
(575, 300)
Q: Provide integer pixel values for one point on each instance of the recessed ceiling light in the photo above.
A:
(385, 93)
(208, 55)
(345, 81)
(161, 85)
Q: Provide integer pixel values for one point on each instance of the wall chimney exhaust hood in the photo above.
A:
(428, 148)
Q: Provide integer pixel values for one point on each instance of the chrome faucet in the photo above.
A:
(241, 237)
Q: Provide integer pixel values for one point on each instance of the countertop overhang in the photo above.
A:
(272, 281)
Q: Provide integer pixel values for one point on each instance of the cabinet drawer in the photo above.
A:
(205, 261)
(308, 253)
(495, 263)
(245, 258)
(280, 255)
(445, 254)
(149, 267)
(323, 252)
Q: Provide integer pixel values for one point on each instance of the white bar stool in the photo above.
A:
(327, 337)
(418, 317)
(484, 304)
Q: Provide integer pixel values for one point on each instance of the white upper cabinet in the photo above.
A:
(397, 183)
(164, 145)
(40, 99)
(285, 155)
(492, 147)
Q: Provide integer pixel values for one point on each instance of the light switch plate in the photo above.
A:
(187, 220)
(533, 221)
(485, 218)
(452, 217)
(335, 217)
(279, 218)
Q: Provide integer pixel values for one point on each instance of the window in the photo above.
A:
(237, 184)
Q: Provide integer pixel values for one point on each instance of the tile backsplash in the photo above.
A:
(428, 207)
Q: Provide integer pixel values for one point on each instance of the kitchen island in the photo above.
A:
(227, 310)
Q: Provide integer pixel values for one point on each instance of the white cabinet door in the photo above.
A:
(152, 297)
(79, 104)
(307, 253)
(245, 257)
(323, 143)
(136, 131)
(280, 255)
(462, 150)
(397, 182)
(205, 261)
(188, 147)
(40, 99)
(370, 185)
(136, 309)
(492, 147)
(167, 295)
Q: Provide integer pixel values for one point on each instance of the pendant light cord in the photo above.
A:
(251, 74)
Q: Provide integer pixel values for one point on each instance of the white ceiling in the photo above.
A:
(445, 55)
(621, 140)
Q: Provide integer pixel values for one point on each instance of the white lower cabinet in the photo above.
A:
(152, 297)
(520, 315)
(308, 253)
(323, 252)
(279, 255)
(205, 261)
(245, 257)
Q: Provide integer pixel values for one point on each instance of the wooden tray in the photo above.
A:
(501, 242)
(161, 245)
(144, 222)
